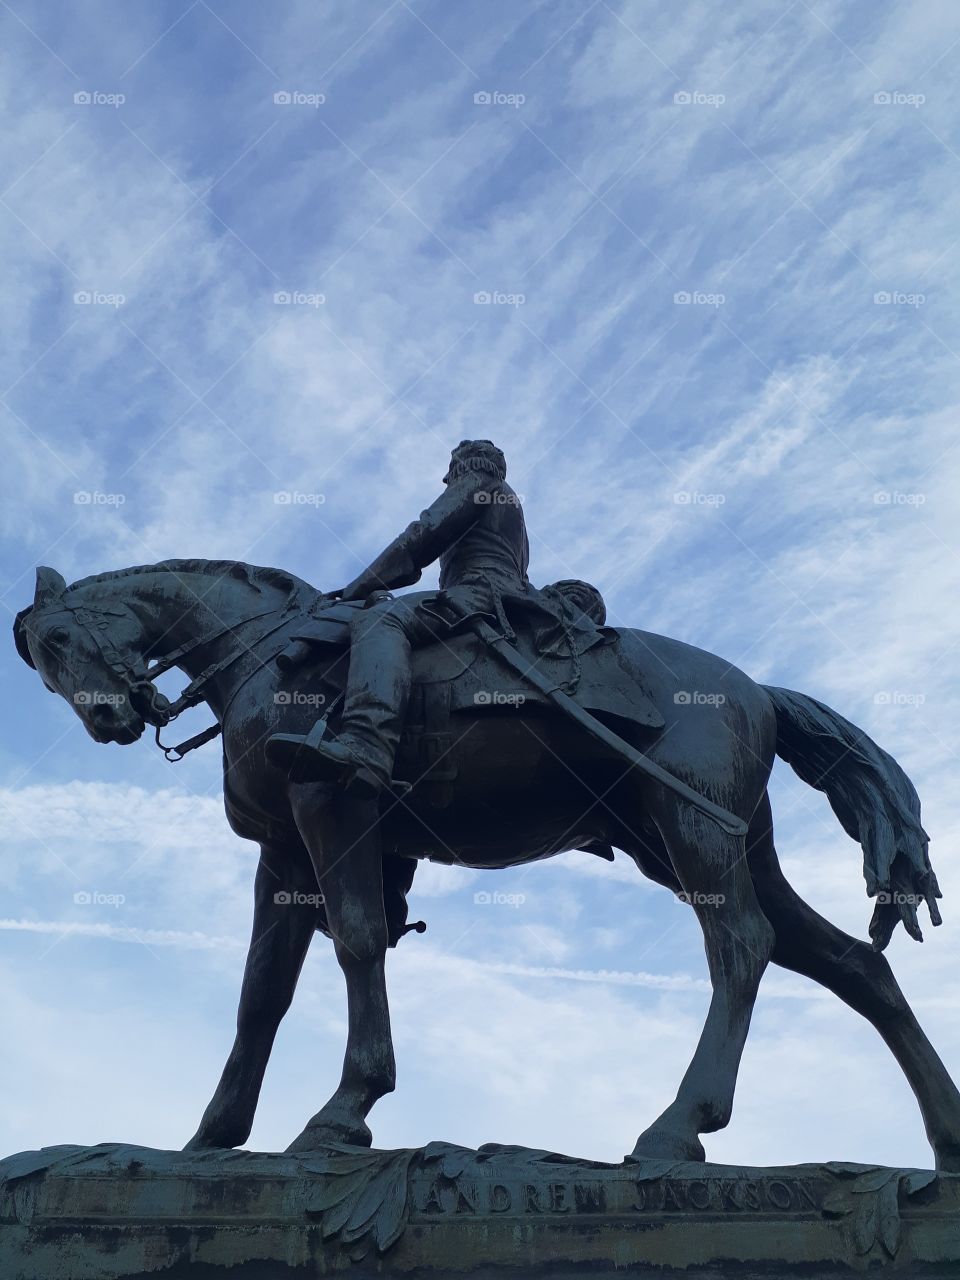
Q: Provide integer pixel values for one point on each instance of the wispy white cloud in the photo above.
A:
(797, 401)
(195, 941)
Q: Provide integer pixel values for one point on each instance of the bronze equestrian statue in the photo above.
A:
(476, 530)
(491, 725)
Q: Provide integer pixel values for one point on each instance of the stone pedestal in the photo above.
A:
(118, 1212)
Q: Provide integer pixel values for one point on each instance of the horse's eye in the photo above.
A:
(58, 635)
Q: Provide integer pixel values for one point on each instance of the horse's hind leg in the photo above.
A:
(285, 917)
(862, 978)
(716, 880)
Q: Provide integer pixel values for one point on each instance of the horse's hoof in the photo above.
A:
(199, 1143)
(316, 1136)
(948, 1161)
(208, 1138)
(662, 1144)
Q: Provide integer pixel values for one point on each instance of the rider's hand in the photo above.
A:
(368, 582)
(359, 589)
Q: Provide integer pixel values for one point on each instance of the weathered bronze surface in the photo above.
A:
(493, 724)
(121, 1212)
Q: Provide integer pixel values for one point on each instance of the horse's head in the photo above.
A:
(86, 655)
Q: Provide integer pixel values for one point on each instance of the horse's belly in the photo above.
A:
(497, 790)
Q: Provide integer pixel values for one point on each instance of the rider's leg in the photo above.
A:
(378, 684)
(378, 687)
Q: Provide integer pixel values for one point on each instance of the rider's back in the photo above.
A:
(495, 544)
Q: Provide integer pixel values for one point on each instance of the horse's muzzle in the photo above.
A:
(113, 728)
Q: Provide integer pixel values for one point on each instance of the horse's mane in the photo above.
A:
(253, 575)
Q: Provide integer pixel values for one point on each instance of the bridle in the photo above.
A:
(148, 701)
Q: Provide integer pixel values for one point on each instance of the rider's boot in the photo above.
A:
(312, 757)
(378, 686)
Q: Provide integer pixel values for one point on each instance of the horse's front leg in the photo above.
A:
(285, 916)
(344, 842)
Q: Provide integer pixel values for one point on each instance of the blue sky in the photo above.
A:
(722, 361)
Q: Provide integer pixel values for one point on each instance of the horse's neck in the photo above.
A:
(182, 609)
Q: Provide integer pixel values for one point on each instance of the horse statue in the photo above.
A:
(494, 782)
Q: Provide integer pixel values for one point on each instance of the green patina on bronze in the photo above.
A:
(363, 732)
(121, 1213)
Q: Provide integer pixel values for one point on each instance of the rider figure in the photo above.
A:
(476, 530)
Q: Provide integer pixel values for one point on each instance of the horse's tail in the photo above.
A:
(875, 801)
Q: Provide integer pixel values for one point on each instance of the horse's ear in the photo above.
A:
(50, 587)
(20, 636)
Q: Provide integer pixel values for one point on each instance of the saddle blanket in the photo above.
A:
(466, 675)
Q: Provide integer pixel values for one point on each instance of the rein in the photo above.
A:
(159, 711)
(194, 692)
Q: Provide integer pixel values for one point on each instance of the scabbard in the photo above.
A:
(727, 821)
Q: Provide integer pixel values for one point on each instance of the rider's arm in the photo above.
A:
(446, 520)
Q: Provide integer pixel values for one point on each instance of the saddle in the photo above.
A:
(462, 675)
